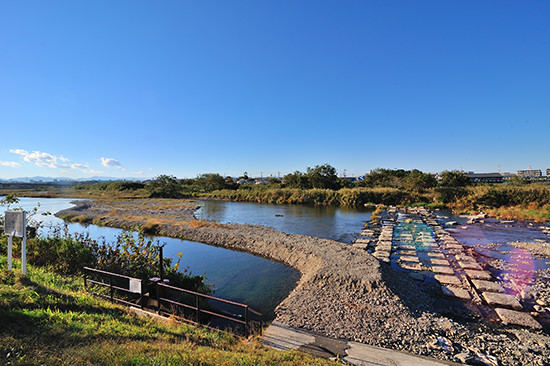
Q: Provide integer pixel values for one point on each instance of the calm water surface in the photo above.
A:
(236, 276)
(336, 223)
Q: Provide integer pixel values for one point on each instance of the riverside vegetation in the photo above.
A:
(516, 199)
(47, 319)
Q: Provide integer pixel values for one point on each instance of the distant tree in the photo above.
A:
(454, 178)
(384, 178)
(323, 176)
(210, 182)
(273, 180)
(516, 180)
(296, 180)
(417, 180)
(165, 186)
(230, 183)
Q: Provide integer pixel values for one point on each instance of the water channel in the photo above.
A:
(236, 276)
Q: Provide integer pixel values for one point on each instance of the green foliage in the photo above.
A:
(164, 186)
(417, 180)
(297, 180)
(454, 178)
(210, 182)
(323, 177)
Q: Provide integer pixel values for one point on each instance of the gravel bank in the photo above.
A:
(345, 292)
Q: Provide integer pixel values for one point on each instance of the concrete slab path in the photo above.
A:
(282, 337)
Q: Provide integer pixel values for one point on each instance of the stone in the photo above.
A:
(470, 265)
(517, 318)
(448, 280)
(477, 275)
(456, 292)
(442, 269)
(487, 286)
(411, 266)
(436, 255)
(360, 245)
(440, 262)
(407, 258)
(495, 299)
(407, 252)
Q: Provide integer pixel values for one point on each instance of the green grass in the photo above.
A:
(46, 318)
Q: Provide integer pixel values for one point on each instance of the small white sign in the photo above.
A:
(14, 224)
(135, 285)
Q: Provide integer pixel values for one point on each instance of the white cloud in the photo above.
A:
(41, 159)
(137, 173)
(79, 166)
(91, 171)
(11, 164)
(110, 163)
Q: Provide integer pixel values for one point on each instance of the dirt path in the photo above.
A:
(344, 292)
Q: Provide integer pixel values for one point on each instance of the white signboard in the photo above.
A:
(14, 225)
(135, 285)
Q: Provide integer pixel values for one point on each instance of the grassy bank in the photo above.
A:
(46, 318)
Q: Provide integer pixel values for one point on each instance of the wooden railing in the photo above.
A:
(170, 300)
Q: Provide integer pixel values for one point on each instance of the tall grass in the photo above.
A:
(47, 319)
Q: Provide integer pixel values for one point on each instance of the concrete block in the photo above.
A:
(517, 318)
(443, 270)
(477, 275)
(440, 262)
(470, 265)
(487, 286)
(501, 300)
(456, 292)
(407, 258)
(448, 280)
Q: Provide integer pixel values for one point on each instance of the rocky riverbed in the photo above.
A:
(344, 292)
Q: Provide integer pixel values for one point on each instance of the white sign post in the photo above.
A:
(15, 224)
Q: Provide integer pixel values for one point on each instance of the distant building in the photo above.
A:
(485, 177)
(548, 172)
(529, 173)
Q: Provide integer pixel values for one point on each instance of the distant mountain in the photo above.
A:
(39, 179)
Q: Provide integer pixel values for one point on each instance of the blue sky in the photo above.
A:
(142, 88)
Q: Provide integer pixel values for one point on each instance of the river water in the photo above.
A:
(236, 276)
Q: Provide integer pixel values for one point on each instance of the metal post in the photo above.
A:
(197, 303)
(111, 286)
(9, 252)
(246, 321)
(160, 263)
(24, 254)
(158, 296)
(141, 295)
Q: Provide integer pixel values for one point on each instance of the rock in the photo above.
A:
(486, 360)
(465, 357)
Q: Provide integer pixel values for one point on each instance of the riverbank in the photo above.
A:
(343, 292)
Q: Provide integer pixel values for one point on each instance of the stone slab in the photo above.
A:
(487, 286)
(440, 262)
(411, 266)
(448, 280)
(517, 318)
(407, 258)
(364, 355)
(360, 245)
(501, 300)
(436, 255)
(456, 292)
(407, 252)
(407, 246)
(477, 275)
(470, 265)
(443, 270)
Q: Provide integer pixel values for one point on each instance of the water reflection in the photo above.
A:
(336, 223)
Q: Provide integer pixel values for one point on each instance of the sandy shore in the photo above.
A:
(343, 292)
